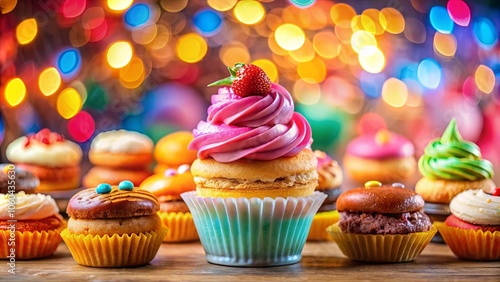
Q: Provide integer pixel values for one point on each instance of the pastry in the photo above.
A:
(386, 156)
(53, 159)
(16, 180)
(100, 174)
(330, 179)
(472, 231)
(255, 174)
(171, 151)
(167, 187)
(113, 226)
(381, 223)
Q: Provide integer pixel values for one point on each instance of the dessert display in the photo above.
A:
(174, 213)
(381, 223)
(113, 226)
(35, 231)
(117, 155)
(171, 151)
(472, 231)
(255, 174)
(449, 166)
(384, 155)
(53, 159)
(330, 180)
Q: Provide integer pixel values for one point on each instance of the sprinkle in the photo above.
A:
(170, 172)
(397, 184)
(373, 183)
(103, 188)
(183, 168)
(126, 185)
(488, 200)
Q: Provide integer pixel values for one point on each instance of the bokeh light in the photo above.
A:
(395, 22)
(137, 15)
(119, 54)
(269, 68)
(394, 92)
(415, 31)
(371, 83)
(191, 48)
(303, 3)
(289, 37)
(371, 59)
(485, 32)
(313, 70)
(233, 53)
(429, 73)
(445, 44)
(207, 22)
(304, 54)
(459, 12)
(440, 20)
(15, 92)
(222, 5)
(8, 6)
(69, 62)
(26, 31)
(73, 8)
(119, 5)
(249, 12)
(326, 44)
(81, 127)
(306, 91)
(173, 6)
(373, 21)
(342, 14)
(362, 39)
(132, 75)
(49, 81)
(69, 103)
(485, 79)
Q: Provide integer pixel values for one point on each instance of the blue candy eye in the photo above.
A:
(103, 188)
(126, 185)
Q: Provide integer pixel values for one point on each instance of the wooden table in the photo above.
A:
(321, 261)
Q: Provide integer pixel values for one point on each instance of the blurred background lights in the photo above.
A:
(132, 75)
(302, 3)
(49, 81)
(174, 6)
(429, 73)
(207, 21)
(289, 37)
(69, 103)
(342, 14)
(15, 92)
(269, 67)
(394, 92)
(459, 12)
(485, 79)
(395, 22)
(222, 5)
(415, 31)
(119, 54)
(7, 6)
(191, 48)
(234, 52)
(445, 44)
(26, 31)
(440, 20)
(81, 127)
(137, 15)
(373, 21)
(326, 44)
(73, 8)
(69, 61)
(313, 70)
(361, 39)
(306, 91)
(371, 83)
(249, 12)
(119, 5)
(485, 32)
(371, 59)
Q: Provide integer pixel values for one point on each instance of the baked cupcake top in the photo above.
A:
(106, 201)
(256, 126)
(170, 185)
(453, 158)
(44, 148)
(16, 180)
(329, 171)
(378, 198)
(381, 145)
(122, 141)
(28, 206)
(477, 207)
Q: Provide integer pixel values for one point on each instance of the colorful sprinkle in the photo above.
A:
(103, 188)
(126, 185)
(373, 183)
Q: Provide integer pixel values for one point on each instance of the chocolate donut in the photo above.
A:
(21, 179)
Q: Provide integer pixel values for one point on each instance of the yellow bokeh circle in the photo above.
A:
(289, 37)
(26, 31)
(191, 48)
(119, 54)
(394, 92)
(249, 12)
(371, 59)
(69, 103)
(485, 79)
(15, 92)
(49, 81)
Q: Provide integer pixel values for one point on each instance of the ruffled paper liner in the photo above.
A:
(319, 224)
(116, 250)
(180, 227)
(471, 244)
(381, 248)
(30, 245)
(253, 232)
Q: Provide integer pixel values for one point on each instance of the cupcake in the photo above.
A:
(117, 155)
(381, 223)
(112, 226)
(171, 151)
(449, 166)
(472, 231)
(53, 159)
(384, 155)
(174, 212)
(30, 224)
(255, 174)
(330, 179)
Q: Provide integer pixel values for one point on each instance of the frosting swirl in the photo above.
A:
(476, 207)
(452, 158)
(253, 127)
(28, 206)
(59, 154)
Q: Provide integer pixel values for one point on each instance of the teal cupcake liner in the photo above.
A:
(253, 232)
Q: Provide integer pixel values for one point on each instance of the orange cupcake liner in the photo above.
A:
(320, 222)
(471, 244)
(116, 250)
(180, 225)
(381, 248)
(30, 245)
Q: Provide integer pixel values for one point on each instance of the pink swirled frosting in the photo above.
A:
(253, 127)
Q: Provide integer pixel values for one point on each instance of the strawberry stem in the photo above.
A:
(228, 80)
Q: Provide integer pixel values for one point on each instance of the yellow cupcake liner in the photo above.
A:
(180, 225)
(319, 224)
(471, 244)
(381, 248)
(30, 245)
(116, 250)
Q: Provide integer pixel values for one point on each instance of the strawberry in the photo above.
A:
(246, 80)
(495, 192)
